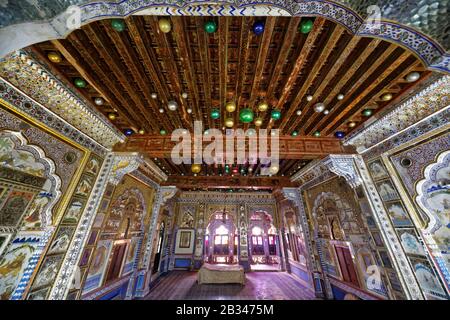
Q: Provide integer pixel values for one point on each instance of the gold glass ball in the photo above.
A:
(196, 168)
(230, 106)
(165, 25)
(387, 97)
(263, 106)
(229, 123)
(54, 57)
(112, 116)
(141, 131)
(258, 122)
(352, 124)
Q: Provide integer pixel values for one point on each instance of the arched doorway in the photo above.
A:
(221, 239)
(263, 242)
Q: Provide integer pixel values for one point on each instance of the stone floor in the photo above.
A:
(181, 285)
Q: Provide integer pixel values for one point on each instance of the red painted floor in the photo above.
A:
(181, 285)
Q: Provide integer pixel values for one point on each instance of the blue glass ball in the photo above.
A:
(128, 132)
(339, 134)
(258, 27)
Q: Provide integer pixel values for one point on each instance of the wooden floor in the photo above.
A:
(182, 285)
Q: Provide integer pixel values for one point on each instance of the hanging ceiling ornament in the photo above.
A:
(184, 95)
(215, 114)
(294, 133)
(258, 122)
(189, 110)
(274, 169)
(367, 112)
(306, 26)
(196, 168)
(317, 134)
(162, 132)
(210, 26)
(141, 131)
(258, 27)
(128, 132)
(112, 116)
(325, 112)
(263, 106)
(118, 25)
(80, 83)
(172, 105)
(386, 97)
(319, 107)
(299, 112)
(275, 114)
(246, 115)
(352, 124)
(413, 76)
(165, 25)
(99, 101)
(161, 110)
(229, 123)
(54, 57)
(309, 98)
(154, 95)
(230, 106)
(340, 96)
(339, 134)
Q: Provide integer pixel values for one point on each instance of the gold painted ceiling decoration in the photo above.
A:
(31, 77)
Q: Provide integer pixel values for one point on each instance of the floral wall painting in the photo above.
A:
(61, 241)
(98, 265)
(377, 170)
(13, 264)
(74, 211)
(387, 191)
(85, 186)
(398, 214)
(410, 242)
(48, 271)
(14, 207)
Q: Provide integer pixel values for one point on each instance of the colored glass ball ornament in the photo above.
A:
(112, 116)
(294, 133)
(325, 112)
(161, 110)
(319, 107)
(164, 25)
(352, 124)
(129, 132)
(210, 26)
(141, 131)
(386, 96)
(163, 132)
(246, 115)
(230, 107)
(184, 95)
(306, 26)
(274, 169)
(309, 98)
(118, 25)
(317, 134)
(172, 105)
(154, 95)
(196, 168)
(413, 76)
(263, 106)
(189, 110)
(340, 96)
(339, 134)
(258, 27)
(229, 123)
(299, 112)
(258, 122)
(54, 57)
(367, 112)
(80, 83)
(99, 101)
(215, 114)
(275, 114)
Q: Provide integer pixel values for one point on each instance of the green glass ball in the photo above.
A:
(276, 114)
(306, 26)
(118, 25)
(367, 112)
(317, 134)
(215, 114)
(80, 83)
(210, 26)
(163, 132)
(246, 115)
(295, 133)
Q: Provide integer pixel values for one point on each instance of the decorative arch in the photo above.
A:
(428, 50)
(21, 144)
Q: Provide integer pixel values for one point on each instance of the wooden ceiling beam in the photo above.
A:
(224, 182)
(75, 53)
(313, 73)
(102, 45)
(223, 63)
(352, 80)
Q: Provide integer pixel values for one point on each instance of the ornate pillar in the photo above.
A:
(243, 236)
(115, 166)
(143, 275)
(199, 236)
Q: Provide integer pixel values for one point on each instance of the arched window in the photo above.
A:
(257, 241)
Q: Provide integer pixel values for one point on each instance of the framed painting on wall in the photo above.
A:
(398, 214)
(387, 190)
(98, 265)
(185, 239)
(377, 170)
(14, 207)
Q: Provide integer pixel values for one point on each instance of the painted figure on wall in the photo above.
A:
(187, 221)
